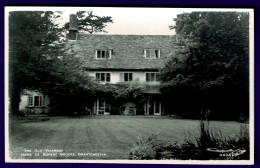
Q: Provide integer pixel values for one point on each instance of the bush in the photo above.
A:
(208, 139)
(145, 148)
(153, 147)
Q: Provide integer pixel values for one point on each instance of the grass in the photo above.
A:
(109, 137)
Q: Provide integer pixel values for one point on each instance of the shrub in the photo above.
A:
(145, 148)
(208, 139)
(152, 147)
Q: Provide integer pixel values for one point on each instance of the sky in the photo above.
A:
(145, 21)
(128, 20)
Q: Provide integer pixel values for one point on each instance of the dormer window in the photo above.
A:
(152, 53)
(103, 54)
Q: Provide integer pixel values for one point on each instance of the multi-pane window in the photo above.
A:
(30, 101)
(152, 53)
(103, 77)
(103, 54)
(35, 101)
(152, 77)
(126, 77)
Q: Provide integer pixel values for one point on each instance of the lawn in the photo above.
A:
(99, 137)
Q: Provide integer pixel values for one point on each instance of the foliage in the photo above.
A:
(208, 139)
(40, 60)
(152, 147)
(120, 93)
(32, 37)
(145, 148)
(91, 23)
(213, 53)
(68, 85)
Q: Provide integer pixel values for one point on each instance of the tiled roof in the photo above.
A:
(127, 50)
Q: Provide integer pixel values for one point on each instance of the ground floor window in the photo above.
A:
(35, 101)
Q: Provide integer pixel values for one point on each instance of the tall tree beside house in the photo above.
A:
(69, 86)
(212, 67)
(32, 37)
(91, 23)
(39, 60)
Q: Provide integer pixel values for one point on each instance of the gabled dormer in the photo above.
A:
(152, 53)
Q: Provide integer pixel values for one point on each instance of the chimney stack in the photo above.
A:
(73, 27)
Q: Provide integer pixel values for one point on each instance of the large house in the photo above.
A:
(117, 59)
(123, 59)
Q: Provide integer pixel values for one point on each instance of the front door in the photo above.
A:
(157, 108)
(104, 106)
(153, 107)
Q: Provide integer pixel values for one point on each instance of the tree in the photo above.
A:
(32, 37)
(214, 52)
(39, 60)
(91, 23)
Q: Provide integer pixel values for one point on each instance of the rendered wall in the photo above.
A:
(115, 76)
(24, 102)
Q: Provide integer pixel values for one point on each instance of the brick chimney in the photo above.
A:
(73, 27)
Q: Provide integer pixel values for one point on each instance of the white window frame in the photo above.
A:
(123, 73)
(152, 104)
(31, 101)
(145, 53)
(101, 50)
(103, 107)
(105, 77)
(155, 76)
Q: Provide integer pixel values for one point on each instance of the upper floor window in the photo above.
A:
(126, 77)
(152, 77)
(103, 77)
(103, 54)
(152, 53)
(35, 101)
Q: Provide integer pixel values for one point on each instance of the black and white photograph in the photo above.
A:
(129, 85)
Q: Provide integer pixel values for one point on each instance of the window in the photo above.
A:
(152, 53)
(103, 54)
(126, 77)
(35, 101)
(103, 77)
(152, 77)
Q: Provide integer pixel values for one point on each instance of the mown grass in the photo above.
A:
(112, 135)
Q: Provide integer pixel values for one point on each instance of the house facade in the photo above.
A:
(124, 59)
